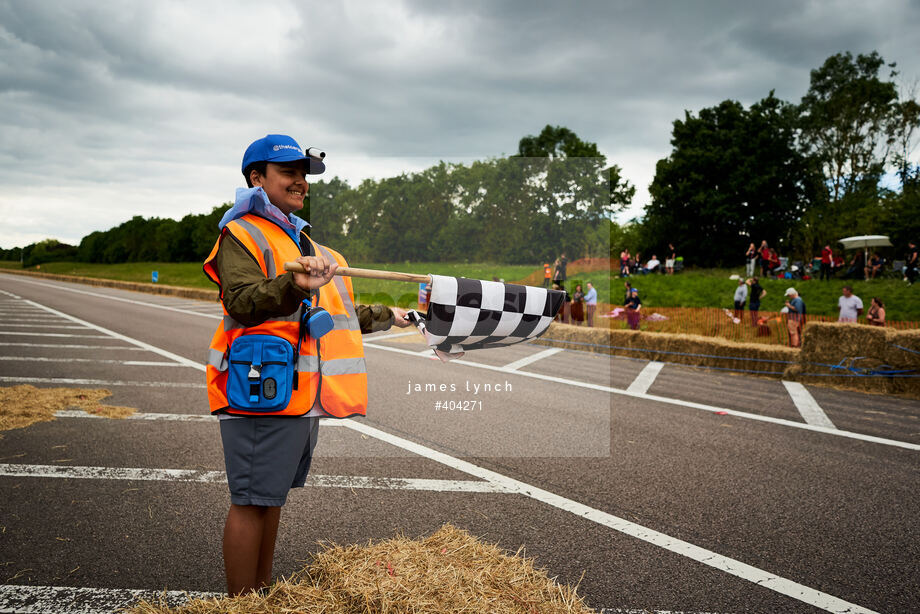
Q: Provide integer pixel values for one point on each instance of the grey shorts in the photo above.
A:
(267, 456)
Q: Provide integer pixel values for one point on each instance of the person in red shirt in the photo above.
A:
(827, 262)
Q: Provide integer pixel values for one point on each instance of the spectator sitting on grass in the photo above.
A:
(849, 305)
(651, 266)
(876, 315)
(874, 266)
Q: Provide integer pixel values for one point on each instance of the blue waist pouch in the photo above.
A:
(261, 374)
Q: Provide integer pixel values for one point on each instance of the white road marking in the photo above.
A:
(18, 599)
(74, 347)
(79, 413)
(670, 401)
(5, 293)
(646, 377)
(133, 363)
(67, 381)
(517, 364)
(219, 477)
(111, 333)
(42, 326)
(645, 611)
(23, 334)
(118, 298)
(731, 566)
(397, 335)
(807, 406)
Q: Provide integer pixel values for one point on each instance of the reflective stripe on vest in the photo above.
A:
(332, 367)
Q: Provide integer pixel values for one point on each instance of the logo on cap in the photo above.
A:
(280, 147)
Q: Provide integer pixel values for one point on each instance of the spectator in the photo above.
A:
(563, 263)
(557, 274)
(750, 260)
(652, 265)
(590, 303)
(670, 260)
(547, 274)
(912, 263)
(628, 287)
(578, 306)
(874, 266)
(741, 293)
(565, 312)
(624, 263)
(795, 317)
(764, 254)
(756, 293)
(636, 263)
(876, 315)
(849, 305)
(857, 266)
(773, 263)
(633, 307)
(827, 262)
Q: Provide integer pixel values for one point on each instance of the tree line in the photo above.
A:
(837, 163)
(834, 165)
(557, 193)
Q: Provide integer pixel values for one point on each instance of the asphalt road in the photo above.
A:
(658, 488)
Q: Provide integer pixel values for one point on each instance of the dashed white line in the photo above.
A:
(670, 401)
(219, 477)
(118, 298)
(67, 381)
(132, 363)
(25, 334)
(646, 377)
(79, 413)
(42, 326)
(731, 566)
(523, 362)
(175, 357)
(807, 406)
(73, 346)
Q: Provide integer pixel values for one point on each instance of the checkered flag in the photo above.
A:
(470, 314)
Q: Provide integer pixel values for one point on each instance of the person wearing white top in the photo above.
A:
(590, 303)
(850, 306)
(651, 265)
(741, 293)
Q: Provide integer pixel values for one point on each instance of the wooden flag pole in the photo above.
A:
(296, 267)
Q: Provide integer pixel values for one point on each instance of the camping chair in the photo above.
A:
(781, 268)
(897, 269)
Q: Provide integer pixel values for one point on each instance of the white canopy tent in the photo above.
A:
(864, 242)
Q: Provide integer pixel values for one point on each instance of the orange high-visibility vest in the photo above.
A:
(547, 271)
(332, 375)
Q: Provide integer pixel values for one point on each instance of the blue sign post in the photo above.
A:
(155, 276)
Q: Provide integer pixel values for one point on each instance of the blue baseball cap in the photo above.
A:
(280, 148)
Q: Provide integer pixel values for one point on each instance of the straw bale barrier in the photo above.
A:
(863, 348)
(823, 343)
(666, 347)
(448, 572)
(200, 294)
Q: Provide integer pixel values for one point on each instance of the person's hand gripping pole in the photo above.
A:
(317, 272)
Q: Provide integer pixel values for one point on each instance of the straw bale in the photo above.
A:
(861, 347)
(669, 347)
(200, 294)
(446, 573)
(22, 406)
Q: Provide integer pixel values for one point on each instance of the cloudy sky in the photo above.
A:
(115, 109)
